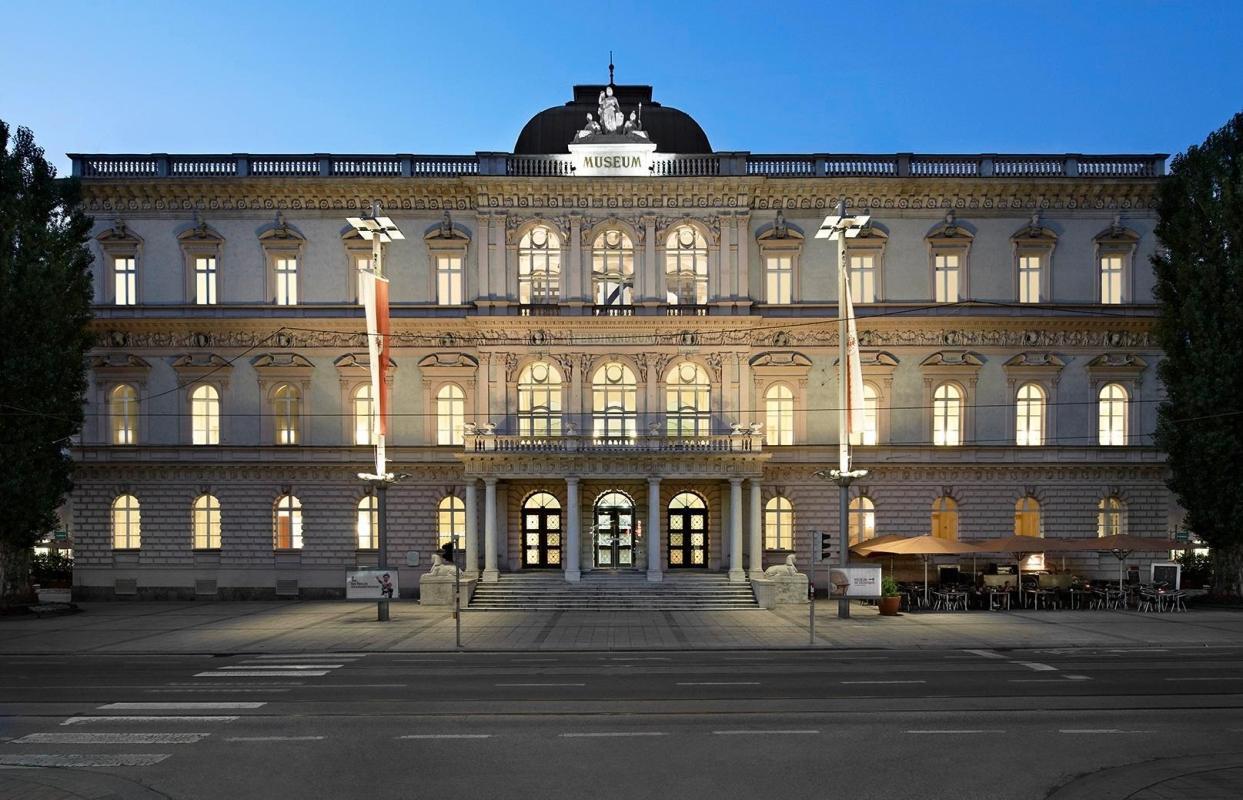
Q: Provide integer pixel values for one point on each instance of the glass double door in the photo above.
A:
(541, 531)
(688, 531)
(614, 532)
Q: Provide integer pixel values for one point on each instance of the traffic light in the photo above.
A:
(826, 545)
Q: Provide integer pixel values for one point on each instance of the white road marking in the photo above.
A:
(320, 656)
(447, 736)
(219, 684)
(443, 660)
(111, 738)
(1036, 680)
(640, 658)
(1206, 678)
(1098, 730)
(763, 733)
(530, 660)
(1036, 666)
(240, 674)
(1078, 678)
(274, 738)
(147, 719)
(177, 706)
(611, 733)
(746, 658)
(93, 760)
(871, 682)
(987, 654)
(269, 665)
(539, 684)
(973, 730)
(719, 683)
(218, 691)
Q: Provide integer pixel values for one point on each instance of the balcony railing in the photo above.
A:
(741, 442)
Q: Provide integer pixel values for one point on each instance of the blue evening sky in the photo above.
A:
(456, 77)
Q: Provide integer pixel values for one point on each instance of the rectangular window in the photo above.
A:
(863, 279)
(125, 276)
(946, 279)
(1029, 279)
(449, 280)
(286, 281)
(1111, 279)
(780, 278)
(205, 280)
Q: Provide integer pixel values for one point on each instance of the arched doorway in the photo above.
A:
(541, 531)
(614, 531)
(688, 531)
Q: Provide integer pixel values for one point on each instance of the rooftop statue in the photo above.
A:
(611, 121)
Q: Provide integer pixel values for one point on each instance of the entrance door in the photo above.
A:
(614, 531)
(688, 531)
(541, 531)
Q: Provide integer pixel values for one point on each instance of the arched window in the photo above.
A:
(1029, 419)
(613, 396)
(779, 414)
(1027, 517)
(205, 415)
(612, 269)
(126, 523)
(686, 266)
(687, 400)
(287, 412)
(206, 522)
(1110, 516)
(450, 414)
(539, 400)
(367, 523)
(364, 415)
(287, 527)
(451, 522)
(539, 267)
(947, 415)
(1112, 414)
(945, 518)
(871, 411)
(778, 524)
(862, 520)
(123, 412)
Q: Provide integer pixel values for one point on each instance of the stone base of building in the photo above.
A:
(779, 591)
(438, 591)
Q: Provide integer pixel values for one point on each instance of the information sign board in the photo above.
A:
(860, 582)
(371, 584)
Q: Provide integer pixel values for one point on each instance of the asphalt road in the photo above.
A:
(951, 724)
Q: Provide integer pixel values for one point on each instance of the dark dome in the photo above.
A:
(552, 130)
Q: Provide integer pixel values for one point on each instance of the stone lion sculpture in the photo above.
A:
(441, 568)
(782, 570)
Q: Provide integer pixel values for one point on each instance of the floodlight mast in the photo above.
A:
(839, 227)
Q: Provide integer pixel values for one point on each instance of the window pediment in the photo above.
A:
(448, 365)
(1047, 361)
(446, 233)
(1117, 235)
(950, 232)
(779, 233)
(954, 359)
(120, 367)
(200, 235)
(119, 238)
(358, 365)
(280, 235)
(780, 358)
(194, 367)
(1034, 234)
(276, 366)
(1117, 365)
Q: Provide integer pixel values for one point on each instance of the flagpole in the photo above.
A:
(843, 427)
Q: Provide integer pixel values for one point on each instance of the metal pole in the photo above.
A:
(381, 492)
(843, 445)
(457, 602)
(811, 601)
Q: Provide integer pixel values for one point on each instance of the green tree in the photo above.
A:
(1200, 288)
(45, 312)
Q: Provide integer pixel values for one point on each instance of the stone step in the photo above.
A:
(613, 592)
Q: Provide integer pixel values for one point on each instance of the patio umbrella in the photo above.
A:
(1122, 545)
(864, 548)
(1023, 546)
(925, 546)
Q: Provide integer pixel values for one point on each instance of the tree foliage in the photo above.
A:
(1200, 287)
(45, 311)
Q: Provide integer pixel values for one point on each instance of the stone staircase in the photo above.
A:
(704, 591)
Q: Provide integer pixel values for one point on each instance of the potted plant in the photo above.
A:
(890, 597)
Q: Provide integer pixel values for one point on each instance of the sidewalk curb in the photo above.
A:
(1118, 783)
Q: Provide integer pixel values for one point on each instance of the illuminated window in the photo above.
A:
(287, 530)
(1110, 517)
(613, 397)
(539, 400)
(1029, 279)
(539, 267)
(947, 415)
(450, 414)
(367, 523)
(778, 524)
(1027, 518)
(205, 280)
(945, 518)
(946, 277)
(1112, 415)
(779, 414)
(125, 280)
(612, 269)
(1029, 419)
(364, 415)
(451, 522)
(123, 413)
(449, 280)
(1111, 279)
(206, 522)
(686, 400)
(779, 273)
(871, 410)
(286, 281)
(205, 415)
(287, 410)
(863, 278)
(686, 266)
(862, 520)
(126, 523)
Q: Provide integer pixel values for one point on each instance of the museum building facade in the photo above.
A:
(613, 350)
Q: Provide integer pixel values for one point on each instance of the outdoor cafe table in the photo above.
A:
(1047, 595)
(950, 600)
(1080, 596)
(998, 599)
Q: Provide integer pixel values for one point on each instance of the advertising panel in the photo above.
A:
(371, 584)
(854, 582)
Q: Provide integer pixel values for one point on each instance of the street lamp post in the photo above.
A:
(379, 231)
(839, 227)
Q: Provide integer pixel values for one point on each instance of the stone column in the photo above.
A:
(736, 575)
(654, 562)
(572, 272)
(483, 273)
(757, 532)
(651, 292)
(472, 529)
(572, 544)
(490, 573)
